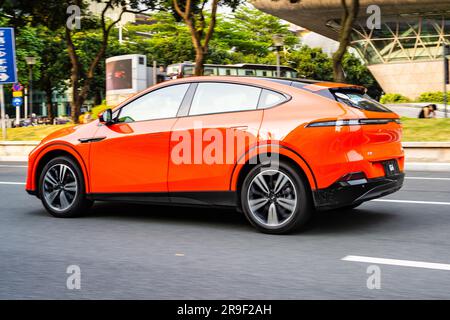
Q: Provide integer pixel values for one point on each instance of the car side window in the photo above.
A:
(270, 98)
(159, 104)
(215, 97)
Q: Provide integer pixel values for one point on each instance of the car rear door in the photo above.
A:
(222, 123)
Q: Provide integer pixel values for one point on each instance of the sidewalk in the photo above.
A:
(412, 110)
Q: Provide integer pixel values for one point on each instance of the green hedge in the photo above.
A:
(437, 97)
(394, 98)
(98, 109)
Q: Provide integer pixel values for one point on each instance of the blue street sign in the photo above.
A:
(17, 101)
(8, 68)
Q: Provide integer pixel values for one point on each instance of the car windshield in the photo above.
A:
(359, 100)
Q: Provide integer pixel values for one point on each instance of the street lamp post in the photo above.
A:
(278, 42)
(31, 61)
(446, 52)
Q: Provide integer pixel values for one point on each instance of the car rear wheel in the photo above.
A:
(62, 189)
(275, 199)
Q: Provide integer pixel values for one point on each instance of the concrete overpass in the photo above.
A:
(405, 55)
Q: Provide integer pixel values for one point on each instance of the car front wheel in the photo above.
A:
(62, 189)
(275, 199)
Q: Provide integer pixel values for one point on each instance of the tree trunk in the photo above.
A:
(75, 105)
(98, 98)
(199, 64)
(198, 30)
(80, 94)
(49, 102)
(348, 18)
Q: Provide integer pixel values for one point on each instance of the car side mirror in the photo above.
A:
(106, 117)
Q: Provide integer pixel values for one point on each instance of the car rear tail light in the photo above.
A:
(351, 122)
(352, 179)
(334, 123)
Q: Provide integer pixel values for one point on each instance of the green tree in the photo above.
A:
(164, 40)
(54, 63)
(53, 14)
(249, 33)
(311, 63)
(193, 13)
(358, 73)
(350, 10)
(349, 15)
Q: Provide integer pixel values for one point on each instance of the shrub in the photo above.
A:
(98, 109)
(394, 98)
(437, 97)
(94, 112)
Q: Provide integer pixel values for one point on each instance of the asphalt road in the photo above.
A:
(147, 252)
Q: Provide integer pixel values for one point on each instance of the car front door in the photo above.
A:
(131, 155)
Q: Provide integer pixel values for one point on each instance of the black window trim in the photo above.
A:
(185, 106)
(258, 108)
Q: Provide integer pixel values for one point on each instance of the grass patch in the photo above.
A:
(423, 130)
(36, 133)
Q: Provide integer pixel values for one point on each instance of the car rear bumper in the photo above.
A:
(339, 195)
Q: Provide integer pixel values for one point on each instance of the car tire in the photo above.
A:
(275, 199)
(62, 188)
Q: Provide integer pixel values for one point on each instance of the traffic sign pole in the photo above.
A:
(17, 93)
(17, 116)
(446, 52)
(3, 113)
(25, 109)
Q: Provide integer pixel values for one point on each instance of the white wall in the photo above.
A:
(410, 78)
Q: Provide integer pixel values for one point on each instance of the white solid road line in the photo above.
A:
(427, 178)
(15, 183)
(395, 262)
(12, 166)
(413, 202)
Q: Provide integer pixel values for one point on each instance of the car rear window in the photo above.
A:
(358, 100)
(216, 97)
(270, 99)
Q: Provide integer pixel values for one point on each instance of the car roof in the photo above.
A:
(286, 85)
(311, 85)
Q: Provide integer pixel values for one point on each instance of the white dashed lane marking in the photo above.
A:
(401, 263)
(13, 183)
(414, 202)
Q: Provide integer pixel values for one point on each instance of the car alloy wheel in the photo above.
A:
(276, 198)
(272, 198)
(60, 187)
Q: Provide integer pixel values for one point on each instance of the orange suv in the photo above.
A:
(275, 149)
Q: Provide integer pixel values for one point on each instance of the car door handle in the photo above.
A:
(239, 127)
(92, 139)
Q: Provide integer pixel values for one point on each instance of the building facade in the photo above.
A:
(405, 54)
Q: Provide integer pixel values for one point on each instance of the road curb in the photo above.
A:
(430, 167)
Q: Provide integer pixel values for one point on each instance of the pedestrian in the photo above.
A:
(428, 111)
